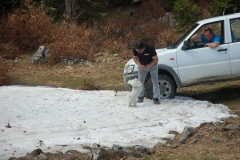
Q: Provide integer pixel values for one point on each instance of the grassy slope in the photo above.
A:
(103, 75)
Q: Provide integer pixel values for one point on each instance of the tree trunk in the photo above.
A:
(68, 4)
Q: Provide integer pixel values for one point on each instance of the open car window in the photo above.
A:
(218, 29)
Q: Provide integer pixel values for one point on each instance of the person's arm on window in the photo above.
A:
(212, 45)
(197, 37)
(216, 42)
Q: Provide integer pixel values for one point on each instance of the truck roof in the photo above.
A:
(218, 18)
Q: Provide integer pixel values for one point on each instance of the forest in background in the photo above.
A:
(79, 29)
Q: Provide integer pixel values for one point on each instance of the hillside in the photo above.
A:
(105, 48)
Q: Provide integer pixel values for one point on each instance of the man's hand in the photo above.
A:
(141, 67)
(212, 45)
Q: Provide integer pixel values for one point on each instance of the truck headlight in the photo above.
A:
(129, 68)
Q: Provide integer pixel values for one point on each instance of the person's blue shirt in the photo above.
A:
(215, 39)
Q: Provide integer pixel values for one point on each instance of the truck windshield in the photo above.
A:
(176, 44)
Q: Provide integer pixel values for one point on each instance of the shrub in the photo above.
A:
(186, 12)
(9, 51)
(72, 42)
(89, 86)
(152, 9)
(28, 27)
(217, 7)
(120, 32)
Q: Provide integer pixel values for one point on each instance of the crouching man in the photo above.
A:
(145, 56)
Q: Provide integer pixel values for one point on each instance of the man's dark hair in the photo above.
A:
(140, 45)
(208, 29)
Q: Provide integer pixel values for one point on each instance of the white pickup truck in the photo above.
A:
(186, 62)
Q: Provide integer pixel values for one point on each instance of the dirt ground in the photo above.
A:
(220, 141)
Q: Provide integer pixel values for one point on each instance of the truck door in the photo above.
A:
(234, 44)
(199, 63)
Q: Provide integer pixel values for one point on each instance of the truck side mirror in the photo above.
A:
(185, 46)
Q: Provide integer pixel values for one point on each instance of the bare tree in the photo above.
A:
(73, 11)
(68, 4)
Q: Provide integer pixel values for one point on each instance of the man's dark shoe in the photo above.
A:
(156, 101)
(140, 99)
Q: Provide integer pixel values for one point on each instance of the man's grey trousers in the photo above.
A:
(142, 74)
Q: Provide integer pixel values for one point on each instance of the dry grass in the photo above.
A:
(225, 148)
(102, 75)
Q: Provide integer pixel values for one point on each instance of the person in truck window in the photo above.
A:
(208, 37)
(145, 56)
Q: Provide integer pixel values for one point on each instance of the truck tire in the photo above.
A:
(166, 84)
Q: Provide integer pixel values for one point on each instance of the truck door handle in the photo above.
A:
(220, 50)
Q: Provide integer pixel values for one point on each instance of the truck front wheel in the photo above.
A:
(166, 85)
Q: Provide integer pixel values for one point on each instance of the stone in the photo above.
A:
(126, 151)
(211, 129)
(41, 55)
(194, 141)
(144, 149)
(215, 139)
(88, 64)
(96, 152)
(187, 132)
(104, 61)
(231, 127)
(198, 135)
(16, 60)
(69, 67)
(36, 152)
(173, 146)
(119, 68)
(109, 60)
(41, 157)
